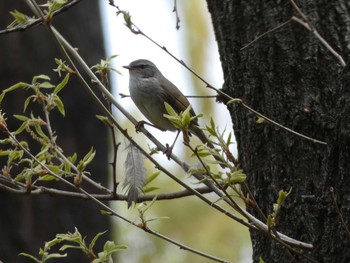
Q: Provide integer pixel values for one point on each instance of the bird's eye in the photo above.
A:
(142, 66)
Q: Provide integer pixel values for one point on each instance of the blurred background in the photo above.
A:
(190, 221)
(26, 222)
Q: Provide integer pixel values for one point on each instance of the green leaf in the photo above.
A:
(186, 119)
(93, 241)
(234, 101)
(31, 257)
(105, 212)
(104, 119)
(55, 255)
(127, 19)
(21, 117)
(237, 177)
(261, 120)
(64, 247)
(21, 128)
(89, 156)
(27, 101)
(59, 104)
(47, 178)
(40, 77)
(86, 160)
(152, 177)
(67, 167)
(15, 155)
(62, 84)
(149, 189)
(73, 158)
(19, 17)
(14, 87)
(228, 141)
(4, 153)
(170, 109)
(46, 85)
(39, 130)
(282, 195)
(270, 221)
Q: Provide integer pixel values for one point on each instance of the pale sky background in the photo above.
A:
(155, 18)
(157, 21)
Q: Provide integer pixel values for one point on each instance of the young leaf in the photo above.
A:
(14, 87)
(59, 104)
(62, 84)
(93, 241)
(170, 109)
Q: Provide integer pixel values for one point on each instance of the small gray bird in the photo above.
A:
(149, 89)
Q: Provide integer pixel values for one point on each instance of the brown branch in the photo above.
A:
(322, 40)
(20, 189)
(226, 95)
(265, 34)
(302, 15)
(334, 199)
(256, 224)
(175, 10)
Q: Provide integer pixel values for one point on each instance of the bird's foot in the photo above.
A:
(168, 151)
(139, 125)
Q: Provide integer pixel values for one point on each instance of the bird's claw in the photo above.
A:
(168, 151)
(139, 125)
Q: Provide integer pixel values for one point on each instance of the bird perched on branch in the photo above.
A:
(149, 90)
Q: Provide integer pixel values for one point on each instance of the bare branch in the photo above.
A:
(322, 40)
(265, 34)
(175, 10)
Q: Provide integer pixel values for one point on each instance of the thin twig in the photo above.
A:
(302, 15)
(334, 199)
(322, 40)
(225, 94)
(257, 224)
(265, 34)
(175, 10)
(280, 125)
(20, 189)
(181, 246)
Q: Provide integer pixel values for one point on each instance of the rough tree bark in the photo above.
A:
(292, 78)
(26, 222)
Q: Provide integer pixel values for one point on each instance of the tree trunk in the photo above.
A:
(26, 222)
(290, 77)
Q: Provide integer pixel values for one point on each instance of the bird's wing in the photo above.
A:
(175, 98)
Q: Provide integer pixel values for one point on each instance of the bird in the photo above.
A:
(149, 90)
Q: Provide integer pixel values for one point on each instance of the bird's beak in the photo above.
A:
(127, 67)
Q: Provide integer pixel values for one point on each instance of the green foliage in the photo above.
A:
(104, 66)
(142, 210)
(272, 218)
(86, 160)
(151, 178)
(234, 101)
(76, 241)
(38, 86)
(180, 120)
(19, 169)
(282, 195)
(53, 5)
(261, 120)
(20, 19)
